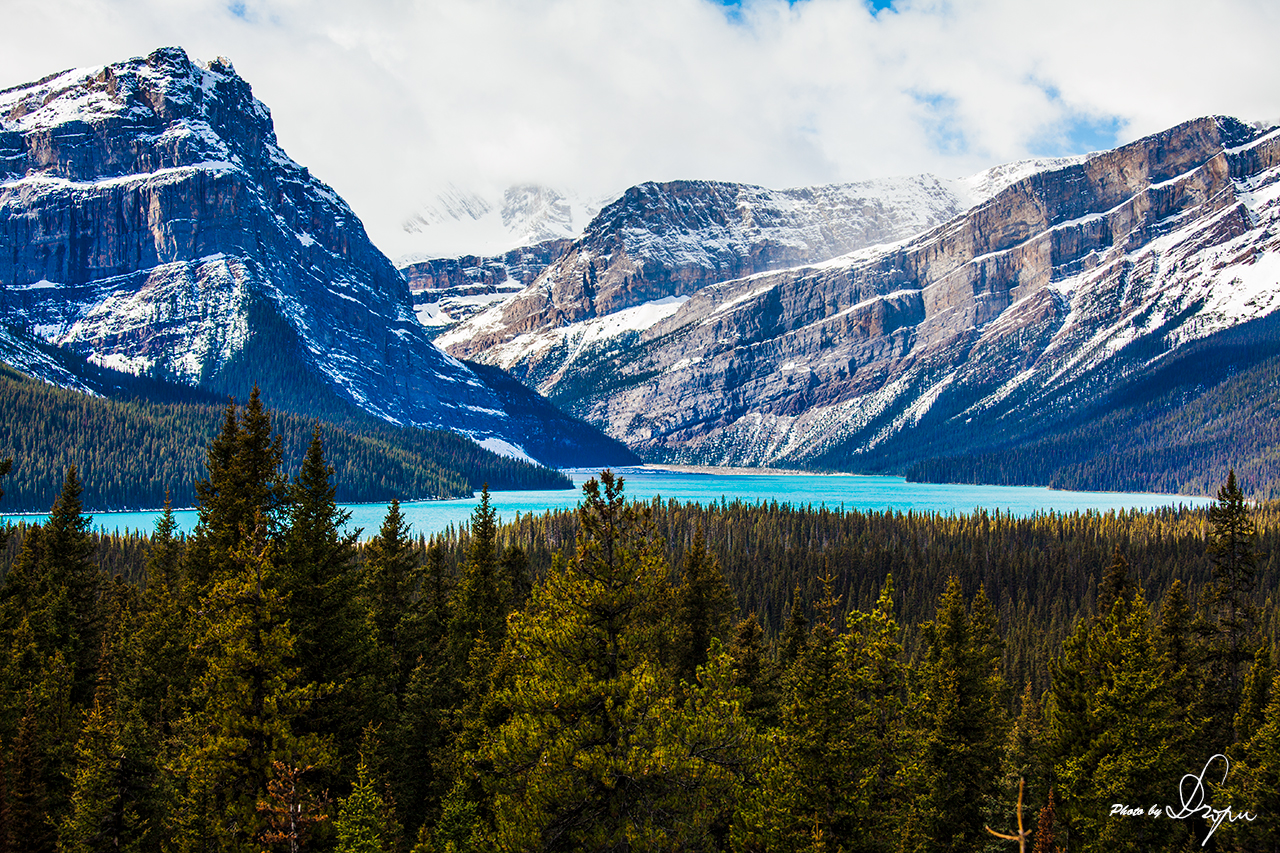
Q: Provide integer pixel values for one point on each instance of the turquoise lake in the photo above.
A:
(833, 490)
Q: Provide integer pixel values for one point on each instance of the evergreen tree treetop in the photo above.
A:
(5, 466)
(243, 478)
(1232, 542)
(1232, 629)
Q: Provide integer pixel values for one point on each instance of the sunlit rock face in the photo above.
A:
(682, 324)
(151, 223)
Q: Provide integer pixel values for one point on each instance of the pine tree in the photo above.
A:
(1255, 693)
(755, 671)
(67, 587)
(795, 633)
(5, 805)
(320, 580)
(1115, 582)
(961, 703)
(161, 645)
(243, 491)
(393, 579)
(365, 823)
(830, 776)
(29, 804)
(163, 576)
(480, 601)
(1232, 629)
(249, 700)
(50, 615)
(809, 784)
(873, 645)
(115, 802)
(514, 577)
(1115, 733)
(1255, 787)
(468, 684)
(704, 607)
(5, 465)
(583, 761)
(1175, 627)
(20, 655)
(407, 610)
(1024, 756)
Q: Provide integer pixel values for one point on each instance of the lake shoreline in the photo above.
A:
(708, 485)
(722, 470)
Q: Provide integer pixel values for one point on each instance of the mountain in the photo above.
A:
(693, 328)
(449, 291)
(689, 231)
(459, 222)
(150, 223)
(660, 243)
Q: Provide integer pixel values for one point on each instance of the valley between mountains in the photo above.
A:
(1105, 321)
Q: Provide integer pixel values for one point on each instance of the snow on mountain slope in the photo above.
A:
(1019, 314)
(461, 222)
(835, 323)
(665, 240)
(150, 222)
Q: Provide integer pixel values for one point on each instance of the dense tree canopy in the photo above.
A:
(628, 676)
(131, 453)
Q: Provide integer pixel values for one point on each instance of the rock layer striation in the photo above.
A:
(151, 223)
(1014, 314)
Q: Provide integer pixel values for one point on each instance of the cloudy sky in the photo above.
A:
(391, 100)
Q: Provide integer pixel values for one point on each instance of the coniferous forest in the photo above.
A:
(131, 453)
(633, 676)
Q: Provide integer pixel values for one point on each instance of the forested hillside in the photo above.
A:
(631, 676)
(1177, 428)
(131, 452)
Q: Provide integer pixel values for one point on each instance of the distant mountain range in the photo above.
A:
(151, 224)
(1047, 321)
(457, 222)
(880, 326)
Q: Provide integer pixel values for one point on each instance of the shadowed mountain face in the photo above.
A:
(150, 223)
(1015, 316)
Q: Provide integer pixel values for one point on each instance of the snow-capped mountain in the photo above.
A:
(660, 243)
(768, 227)
(151, 223)
(460, 222)
(697, 327)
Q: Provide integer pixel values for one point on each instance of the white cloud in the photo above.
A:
(388, 100)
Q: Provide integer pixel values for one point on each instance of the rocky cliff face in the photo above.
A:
(1026, 308)
(660, 243)
(449, 291)
(150, 222)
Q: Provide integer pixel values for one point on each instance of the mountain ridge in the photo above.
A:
(1030, 304)
(153, 224)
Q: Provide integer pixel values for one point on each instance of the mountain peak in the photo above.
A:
(868, 324)
(151, 223)
(459, 221)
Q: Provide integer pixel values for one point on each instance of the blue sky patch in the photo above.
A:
(1083, 134)
(1076, 132)
(941, 124)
